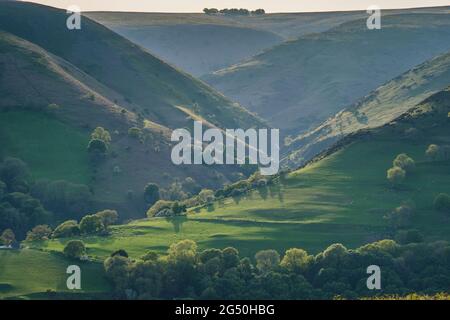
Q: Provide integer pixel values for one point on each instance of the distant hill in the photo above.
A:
(200, 44)
(376, 109)
(300, 83)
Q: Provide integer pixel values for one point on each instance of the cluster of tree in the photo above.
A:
(186, 272)
(165, 208)
(402, 165)
(7, 237)
(234, 11)
(19, 211)
(91, 224)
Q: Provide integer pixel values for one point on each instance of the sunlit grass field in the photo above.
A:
(51, 149)
(30, 271)
(341, 199)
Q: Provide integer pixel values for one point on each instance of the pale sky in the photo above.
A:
(268, 5)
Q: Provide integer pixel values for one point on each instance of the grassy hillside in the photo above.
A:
(153, 87)
(122, 87)
(301, 83)
(343, 197)
(377, 108)
(23, 133)
(28, 272)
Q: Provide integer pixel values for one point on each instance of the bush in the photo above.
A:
(97, 146)
(40, 232)
(108, 217)
(158, 206)
(206, 196)
(396, 175)
(151, 193)
(66, 229)
(101, 134)
(432, 152)
(91, 224)
(442, 203)
(75, 249)
(7, 237)
(135, 132)
(401, 216)
(404, 162)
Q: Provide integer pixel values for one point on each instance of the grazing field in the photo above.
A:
(50, 148)
(340, 199)
(29, 271)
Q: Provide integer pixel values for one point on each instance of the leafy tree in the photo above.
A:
(15, 174)
(158, 206)
(405, 162)
(151, 193)
(178, 208)
(91, 224)
(267, 260)
(296, 260)
(39, 232)
(102, 134)
(8, 237)
(97, 146)
(135, 132)
(185, 251)
(433, 152)
(66, 229)
(120, 252)
(401, 216)
(442, 202)
(74, 249)
(108, 217)
(396, 175)
(206, 196)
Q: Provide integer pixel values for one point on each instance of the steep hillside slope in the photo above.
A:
(301, 83)
(376, 109)
(53, 140)
(343, 196)
(154, 88)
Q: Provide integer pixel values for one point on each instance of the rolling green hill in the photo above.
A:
(154, 88)
(376, 109)
(300, 83)
(30, 272)
(342, 196)
(97, 78)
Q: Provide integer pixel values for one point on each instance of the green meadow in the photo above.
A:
(340, 199)
(28, 271)
(51, 149)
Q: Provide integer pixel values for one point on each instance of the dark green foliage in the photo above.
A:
(21, 212)
(63, 198)
(222, 274)
(75, 249)
(15, 175)
(442, 203)
(120, 252)
(151, 193)
(68, 228)
(92, 224)
(97, 146)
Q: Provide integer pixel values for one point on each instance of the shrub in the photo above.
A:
(206, 196)
(151, 193)
(7, 237)
(66, 229)
(40, 232)
(135, 132)
(396, 175)
(91, 224)
(108, 217)
(97, 146)
(442, 203)
(405, 162)
(432, 151)
(400, 216)
(158, 206)
(74, 249)
(53, 107)
(101, 134)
